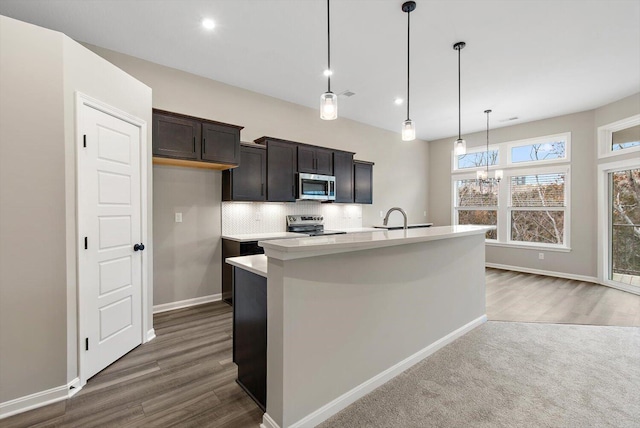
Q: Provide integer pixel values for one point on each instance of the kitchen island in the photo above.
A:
(346, 313)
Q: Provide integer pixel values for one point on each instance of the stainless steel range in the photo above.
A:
(312, 225)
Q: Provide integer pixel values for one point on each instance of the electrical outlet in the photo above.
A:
(424, 213)
(258, 216)
(381, 214)
(178, 217)
(540, 256)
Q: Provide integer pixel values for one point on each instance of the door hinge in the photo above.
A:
(86, 344)
(86, 243)
(84, 140)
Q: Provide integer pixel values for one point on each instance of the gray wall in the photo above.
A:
(400, 172)
(581, 260)
(33, 277)
(41, 72)
(187, 255)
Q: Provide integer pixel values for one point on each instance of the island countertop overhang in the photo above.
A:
(289, 249)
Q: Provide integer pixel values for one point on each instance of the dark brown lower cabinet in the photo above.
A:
(233, 249)
(250, 333)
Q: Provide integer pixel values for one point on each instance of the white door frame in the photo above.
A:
(147, 332)
(603, 221)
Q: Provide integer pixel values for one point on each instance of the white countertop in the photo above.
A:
(248, 237)
(310, 246)
(256, 263)
(358, 229)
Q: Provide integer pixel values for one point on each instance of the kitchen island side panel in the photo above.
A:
(339, 320)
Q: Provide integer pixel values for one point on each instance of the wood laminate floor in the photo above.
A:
(523, 297)
(185, 377)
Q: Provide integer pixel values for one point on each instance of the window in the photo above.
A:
(476, 204)
(529, 206)
(477, 159)
(619, 137)
(538, 152)
(625, 138)
(536, 209)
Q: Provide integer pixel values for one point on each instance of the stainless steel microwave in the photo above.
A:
(316, 187)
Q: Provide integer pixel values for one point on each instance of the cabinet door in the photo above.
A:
(220, 144)
(343, 170)
(363, 183)
(248, 180)
(176, 137)
(324, 162)
(306, 160)
(281, 171)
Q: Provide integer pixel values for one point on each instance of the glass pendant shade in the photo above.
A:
(499, 174)
(481, 175)
(408, 130)
(328, 106)
(460, 147)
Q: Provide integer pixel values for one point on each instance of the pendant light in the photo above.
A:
(483, 176)
(328, 100)
(460, 146)
(408, 128)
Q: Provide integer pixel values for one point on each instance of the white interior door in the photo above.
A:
(109, 226)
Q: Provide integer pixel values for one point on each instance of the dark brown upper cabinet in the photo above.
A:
(220, 143)
(190, 141)
(176, 137)
(282, 160)
(362, 182)
(248, 181)
(315, 160)
(343, 170)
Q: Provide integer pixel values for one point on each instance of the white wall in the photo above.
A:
(400, 171)
(41, 72)
(581, 260)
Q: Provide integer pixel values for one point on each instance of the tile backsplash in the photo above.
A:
(268, 217)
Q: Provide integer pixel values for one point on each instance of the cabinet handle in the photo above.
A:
(194, 143)
(204, 145)
(262, 189)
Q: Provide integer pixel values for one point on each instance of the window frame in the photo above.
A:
(510, 169)
(605, 137)
(467, 175)
(566, 136)
(566, 171)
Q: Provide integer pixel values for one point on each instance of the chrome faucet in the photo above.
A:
(386, 218)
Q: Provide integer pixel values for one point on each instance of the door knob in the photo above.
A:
(138, 247)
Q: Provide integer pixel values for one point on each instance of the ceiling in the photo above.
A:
(528, 59)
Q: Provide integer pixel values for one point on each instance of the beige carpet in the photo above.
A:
(514, 375)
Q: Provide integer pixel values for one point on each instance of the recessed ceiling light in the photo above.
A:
(398, 101)
(208, 24)
(328, 73)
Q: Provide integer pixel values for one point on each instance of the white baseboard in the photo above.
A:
(186, 303)
(330, 409)
(73, 387)
(624, 287)
(268, 422)
(39, 399)
(151, 334)
(544, 272)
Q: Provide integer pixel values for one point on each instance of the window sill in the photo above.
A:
(537, 247)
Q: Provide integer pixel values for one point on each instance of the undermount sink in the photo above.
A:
(409, 226)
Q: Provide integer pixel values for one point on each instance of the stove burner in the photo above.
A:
(309, 224)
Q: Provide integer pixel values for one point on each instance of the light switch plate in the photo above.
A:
(178, 217)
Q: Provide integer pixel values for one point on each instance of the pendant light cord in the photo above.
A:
(488, 111)
(328, 47)
(459, 100)
(408, 57)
